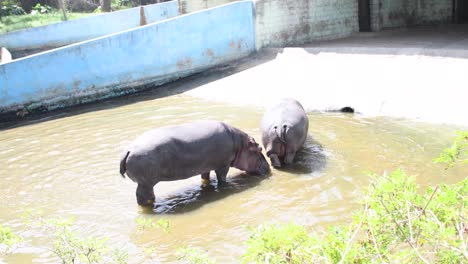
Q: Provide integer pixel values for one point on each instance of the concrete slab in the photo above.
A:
(416, 73)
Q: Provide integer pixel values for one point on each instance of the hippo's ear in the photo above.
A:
(253, 146)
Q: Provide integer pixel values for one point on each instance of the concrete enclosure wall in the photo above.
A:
(401, 13)
(281, 23)
(114, 64)
(72, 31)
(189, 6)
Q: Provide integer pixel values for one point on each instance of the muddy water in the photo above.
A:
(68, 167)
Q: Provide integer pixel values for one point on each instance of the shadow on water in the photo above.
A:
(194, 197)
(309, 159)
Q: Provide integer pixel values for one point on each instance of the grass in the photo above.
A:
(12, 23)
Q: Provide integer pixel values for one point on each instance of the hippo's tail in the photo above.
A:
(123, 164)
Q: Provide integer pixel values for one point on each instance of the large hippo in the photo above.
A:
(284, 130)
(182, 151)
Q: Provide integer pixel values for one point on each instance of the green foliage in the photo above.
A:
(458, 152)
(148, 223)
(193, 256)
(11, 8)
(120, 256)
(98, 10)
(120, 4)
(41, 9)
(70, 246)
(116, 5)
(12, 23)
(7, 239)
(278, 244)
(396, 224)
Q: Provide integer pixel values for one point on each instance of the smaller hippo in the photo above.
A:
(284, 130)
(179, 152)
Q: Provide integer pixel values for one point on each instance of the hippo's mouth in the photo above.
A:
(264, 167)
(279, 150)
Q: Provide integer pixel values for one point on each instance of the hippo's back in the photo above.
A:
(180, 151)
(286, 111)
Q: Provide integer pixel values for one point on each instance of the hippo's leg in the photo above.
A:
(275, 161)
(221, 174)
(145, 195)
(288, 159)
(205, 179)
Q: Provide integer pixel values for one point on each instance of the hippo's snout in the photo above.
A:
(264, 167)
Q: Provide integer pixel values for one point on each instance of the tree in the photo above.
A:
(106, 6)
(64, 9)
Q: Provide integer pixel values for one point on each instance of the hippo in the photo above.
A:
(284, 130)
(179, 152)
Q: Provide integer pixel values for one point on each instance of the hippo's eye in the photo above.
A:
(275, 127)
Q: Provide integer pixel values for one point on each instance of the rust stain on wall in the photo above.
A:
(209, 52)
(184, 63)
(76, 84)
(142, 16)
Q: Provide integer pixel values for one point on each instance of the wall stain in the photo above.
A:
(142, 16)
(184, 63)
(210, 53)
(76, 84)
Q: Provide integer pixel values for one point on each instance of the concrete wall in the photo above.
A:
(72, 31)
(281, 23)
(402, 13)
(188, 6)
(117, 64)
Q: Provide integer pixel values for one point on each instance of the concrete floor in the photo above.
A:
(418, 73)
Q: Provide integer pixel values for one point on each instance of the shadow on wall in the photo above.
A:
(439, 41)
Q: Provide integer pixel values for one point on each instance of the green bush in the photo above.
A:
(11, 8)
(70, 246)
(41, 9)
(7, 239)
(288, 243)
(193, 256)
(458, 152)
(396, 224)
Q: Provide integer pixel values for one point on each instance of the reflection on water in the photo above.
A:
(69, 167)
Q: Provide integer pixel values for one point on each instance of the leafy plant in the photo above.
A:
(396, 224)
(458, 152)
(11, 8)
(148, 223)
(288, 243)
(120, 256)
(7, 239)
(193, 256)
(41, 9)
(70, 246)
